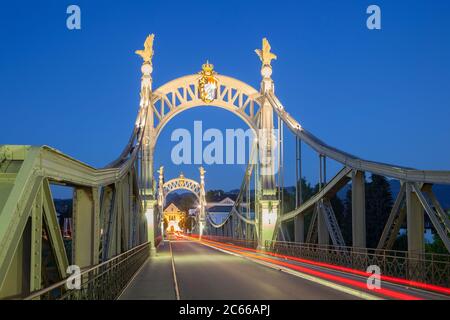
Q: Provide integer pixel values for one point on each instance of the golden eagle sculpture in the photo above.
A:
(147, 53)
(265, 55)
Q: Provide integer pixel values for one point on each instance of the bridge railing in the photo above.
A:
(104, 281)
(428, 268)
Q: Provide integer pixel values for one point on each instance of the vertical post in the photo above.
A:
(322, 230)
(248, 205)
(415, 223)
(299, 220)
(298, 172)
(36, 242)
(96, 225)
(358, 210)
(202, 218)
(148, 144)
(268, 206)
(150, 206)
(161, 200)
(320, 172)
(299, 227)
(86, 227)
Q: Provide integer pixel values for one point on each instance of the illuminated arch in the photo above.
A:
(182, 94)
(182, 183)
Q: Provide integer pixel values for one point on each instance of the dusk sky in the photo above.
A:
(383, 95)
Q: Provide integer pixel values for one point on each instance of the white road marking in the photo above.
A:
(177, 292)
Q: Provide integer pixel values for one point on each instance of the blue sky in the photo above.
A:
(382, 95)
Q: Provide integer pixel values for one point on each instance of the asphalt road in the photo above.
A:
(189, 270)
(206, 273)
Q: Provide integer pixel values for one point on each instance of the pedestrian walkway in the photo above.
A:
(155, 279)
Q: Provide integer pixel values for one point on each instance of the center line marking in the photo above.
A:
(177, 292)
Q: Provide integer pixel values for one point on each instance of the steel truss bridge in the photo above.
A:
(117, 209)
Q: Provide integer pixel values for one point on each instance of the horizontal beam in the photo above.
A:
(61, 168)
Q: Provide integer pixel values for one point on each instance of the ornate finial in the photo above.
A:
(265, 55)
(202, 171)
(147, 53)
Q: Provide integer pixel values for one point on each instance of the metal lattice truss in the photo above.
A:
(183, 93)
(182, 183)
(107, 214)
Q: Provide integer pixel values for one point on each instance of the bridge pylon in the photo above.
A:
(267, 210)
(146, 164)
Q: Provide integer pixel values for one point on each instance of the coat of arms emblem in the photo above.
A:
(207, 84)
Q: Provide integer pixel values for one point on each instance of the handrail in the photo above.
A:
(429, 268)
(87, 270)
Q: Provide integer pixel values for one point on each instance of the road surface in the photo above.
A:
(187, 269)
(202, 272)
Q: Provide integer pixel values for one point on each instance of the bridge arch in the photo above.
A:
(183, 183)
(210, 89)
(182, 94)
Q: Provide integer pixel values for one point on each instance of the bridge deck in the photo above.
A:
(205, 273)
(212, 270)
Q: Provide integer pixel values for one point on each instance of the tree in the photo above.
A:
(186, 223)
(346, 222)
(378, 207)
(214, 195)
(338, 207)
(437, 246)
(289, 203)
(187, 201)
